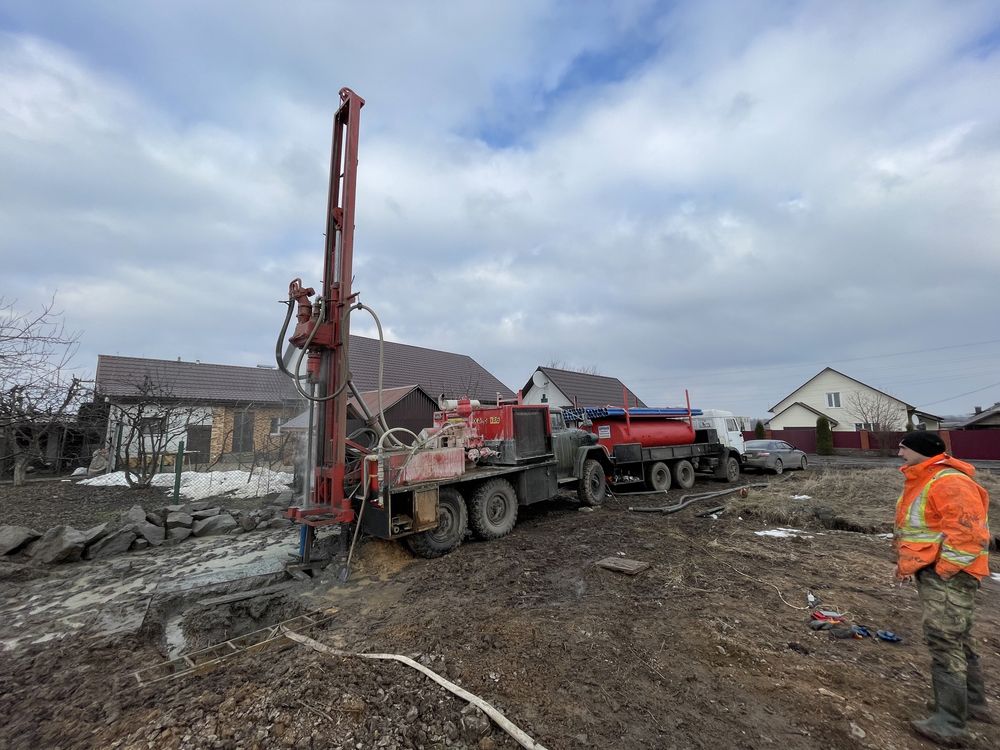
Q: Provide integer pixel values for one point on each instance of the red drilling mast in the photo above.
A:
(322, 332)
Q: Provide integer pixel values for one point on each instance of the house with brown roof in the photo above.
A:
(549, 385)
(226, 409)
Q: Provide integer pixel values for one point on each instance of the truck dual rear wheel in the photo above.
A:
(658, 477)
(684, 474)
(493, 509)
(453, 521)
(593, 484)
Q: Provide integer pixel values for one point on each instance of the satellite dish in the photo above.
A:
(539, 379)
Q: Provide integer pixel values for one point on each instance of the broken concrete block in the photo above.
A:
(13, 538)
(205, 513)
(113, 544)
(140, 543)
(177, 534)
(58, 545)
(279, 523)
(182, 508)
(178, 519)
(213, 525)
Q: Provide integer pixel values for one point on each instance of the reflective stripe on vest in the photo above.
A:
(915, 528)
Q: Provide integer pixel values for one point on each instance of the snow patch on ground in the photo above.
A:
(781, 532)
(198, 485)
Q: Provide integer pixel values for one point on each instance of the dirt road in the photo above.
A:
(707, 648)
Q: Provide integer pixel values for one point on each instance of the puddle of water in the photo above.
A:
(173, 633)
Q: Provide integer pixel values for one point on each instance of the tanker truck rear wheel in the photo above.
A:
(658, 477)
(493, 509)
(684, 474)
(453, 521)
(593, 484)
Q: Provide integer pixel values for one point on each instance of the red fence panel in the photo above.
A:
(849, 440)
(975, 444)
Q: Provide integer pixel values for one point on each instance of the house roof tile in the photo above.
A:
(584, 389)
(436, 372)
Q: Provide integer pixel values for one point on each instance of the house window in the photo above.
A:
(833, 399)
(859, 426)
(275, 425)
(152, 426)
(243, 432)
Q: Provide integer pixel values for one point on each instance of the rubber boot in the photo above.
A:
(946, 726)
(978, 708)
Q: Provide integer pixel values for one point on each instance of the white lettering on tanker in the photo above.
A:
(603, 431)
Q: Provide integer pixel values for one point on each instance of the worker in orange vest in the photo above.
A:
(942, 542)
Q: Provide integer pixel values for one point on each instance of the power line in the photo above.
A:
(835, 361)
(967, 393)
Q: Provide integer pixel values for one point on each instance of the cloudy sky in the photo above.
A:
(718, 196)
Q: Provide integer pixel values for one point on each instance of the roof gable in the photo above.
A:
(848, 377)
(584, 389)
(804, 405)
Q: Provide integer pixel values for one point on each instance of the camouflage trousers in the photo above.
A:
(948, 605)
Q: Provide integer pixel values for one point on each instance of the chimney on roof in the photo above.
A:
(978, 409)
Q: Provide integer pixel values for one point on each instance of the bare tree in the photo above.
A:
(152, 422)
(38, 396)
(876, 413)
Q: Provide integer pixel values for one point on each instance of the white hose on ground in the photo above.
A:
(523, 739)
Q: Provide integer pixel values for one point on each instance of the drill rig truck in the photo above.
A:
(477, 463)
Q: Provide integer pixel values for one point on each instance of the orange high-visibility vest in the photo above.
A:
(941, 519)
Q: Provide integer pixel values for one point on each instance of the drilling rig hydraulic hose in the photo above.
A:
(296, 376)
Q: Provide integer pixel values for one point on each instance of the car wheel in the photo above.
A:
(778, 466)
(803, 464)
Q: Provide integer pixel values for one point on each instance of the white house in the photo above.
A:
(849, 404)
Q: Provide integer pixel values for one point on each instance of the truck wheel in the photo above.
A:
(493, 509)
(453, 521)
(732, 469)
(658, 477)
(593, 484)
(684, 474)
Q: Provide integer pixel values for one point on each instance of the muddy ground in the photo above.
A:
(707, 648)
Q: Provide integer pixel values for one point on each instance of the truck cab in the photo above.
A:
(727, 428)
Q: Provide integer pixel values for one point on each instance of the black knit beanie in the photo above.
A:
(923, 442)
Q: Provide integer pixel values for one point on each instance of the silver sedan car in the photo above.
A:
(773, 455)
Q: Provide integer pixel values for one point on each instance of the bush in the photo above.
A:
(824, 437)
(758, 430)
